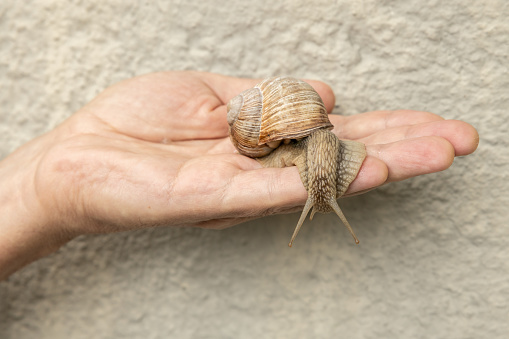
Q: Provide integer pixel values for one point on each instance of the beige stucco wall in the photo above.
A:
(433, 260)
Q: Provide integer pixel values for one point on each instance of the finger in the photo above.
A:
(222, 223)
(462, 136)
(413, 157)
(373, 173)
(227, 87)
(362, 125)
(267, 191)
(256, 192)
(253, 193)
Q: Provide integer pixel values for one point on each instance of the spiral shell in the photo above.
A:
(275, 109)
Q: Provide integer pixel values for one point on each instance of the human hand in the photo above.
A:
(154, 150)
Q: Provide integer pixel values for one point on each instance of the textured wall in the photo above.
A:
(433, 260)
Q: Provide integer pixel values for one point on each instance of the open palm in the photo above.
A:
(154, 150)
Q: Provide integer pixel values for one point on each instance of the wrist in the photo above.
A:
(27, 231)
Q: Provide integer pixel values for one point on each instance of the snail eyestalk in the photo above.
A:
(334, 206)
(337, 210)
(307, 207)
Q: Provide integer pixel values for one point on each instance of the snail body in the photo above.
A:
(283, 122)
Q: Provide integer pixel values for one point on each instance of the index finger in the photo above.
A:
(365, 124)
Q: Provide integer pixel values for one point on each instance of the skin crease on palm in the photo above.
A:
(154, 150)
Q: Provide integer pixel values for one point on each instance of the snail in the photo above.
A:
(283, 122)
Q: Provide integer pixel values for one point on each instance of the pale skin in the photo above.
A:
(154, 151)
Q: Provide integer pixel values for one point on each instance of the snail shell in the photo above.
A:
(275, 109)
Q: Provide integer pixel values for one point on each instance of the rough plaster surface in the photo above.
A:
(433, 260)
